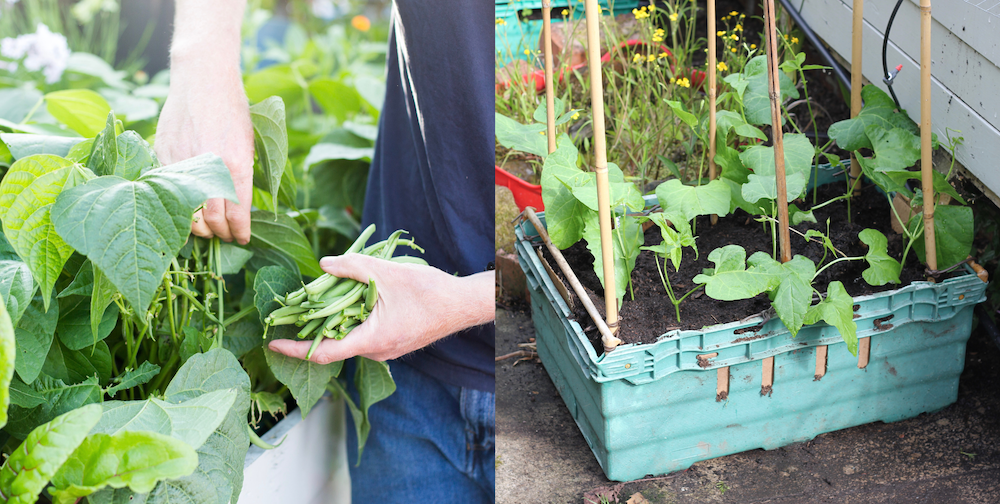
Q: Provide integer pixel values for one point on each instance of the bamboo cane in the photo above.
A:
(774, 90)
(550, 113)
(926, 165)
(712, 92)
(601, 162)
(857, 28)
(607, 338)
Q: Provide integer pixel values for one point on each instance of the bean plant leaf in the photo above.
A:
(233, 258)
(374, 383)
(134, 156)
(27, 194)
(879, 110)
(627, 238)
(77, 366)
(43, 452)
(133, 377)
(895, 149)
(82, 284)
(732, 279)
(131, 230)
(895, 180)
(34, 333)
(243, 337)
(756, 100)
(305, 379)
(561, 115)
(676, 233)
(285, 236)
(8, 355)
(692, 201)
(686, 117)
(104, 155)
(762, 183)
(271, 142)
(58, 398)
(137, 460)
(24, 145)
(74, 327)
(101, 298)
(953, 234)
(563, 211)
(270, 284)
(528, 138)
(621, 192)
(337, 98)
(191, 421)
(82, 110)
(882, 269)
(837, 309)
(793, 294)
(16, 287)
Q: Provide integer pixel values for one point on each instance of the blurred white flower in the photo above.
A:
(329, 9)
(42, 50)
(85, 10)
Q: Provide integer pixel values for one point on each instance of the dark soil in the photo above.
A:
(651, 313)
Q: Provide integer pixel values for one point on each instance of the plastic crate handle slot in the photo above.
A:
(767, 376)
(722, 376)
(820, 362)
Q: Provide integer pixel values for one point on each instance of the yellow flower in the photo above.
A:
(733, 49)
(739, 27)
(650, 58)
(683, 82)
(663, 55)
(657, 38)
(753, 46)
(527, 52)
(734, 13)
(734, 37)
(637, 58)
(640, 13)
(795, 40)
(673, 17)
(722, 66)
(501, 21)
(786, 36)
(673, 80)
(575, 116)
(565, 12)
(651, 7)
(361, 23)
(660, 32)
(720, 33)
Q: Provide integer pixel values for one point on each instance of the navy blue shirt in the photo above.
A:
(430, 173)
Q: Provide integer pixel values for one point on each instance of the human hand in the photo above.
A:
(207, 110)
(417, 305)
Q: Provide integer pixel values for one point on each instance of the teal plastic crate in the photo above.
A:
(515, 34)
(652, 409)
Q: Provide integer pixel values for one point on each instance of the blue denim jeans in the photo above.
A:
(429, 442)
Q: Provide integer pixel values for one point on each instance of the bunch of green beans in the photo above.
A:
(331, 307)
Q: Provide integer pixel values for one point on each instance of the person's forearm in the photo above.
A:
(207, 36)
(470, 300)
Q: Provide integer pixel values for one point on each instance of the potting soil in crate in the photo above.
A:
(654, 408)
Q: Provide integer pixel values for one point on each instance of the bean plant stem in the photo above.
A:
(238, 315)
(220, 289)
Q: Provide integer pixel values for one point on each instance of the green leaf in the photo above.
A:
(528, 138)
(8, 355)
(134, 156)
(882, 269)
(16, 288)
(305, 379)
(82, 110)
(75, 366)
(233, 258)
(627, 238)
(58, 398)
(895, 149)
(953, 234)
(731, 279)
(322, 152)
(269, 402)
(837, 309)
(137, 460)
(270, 283)
(24, 145)
(738, 81)
(243, 337)
(104, 155)
(283, 235)
(131, 230)
(340, 220)
(793, 295)
(74, 327)
(798, 216)
(34, 333)
(273, 80)
(337, 98)
(756, 99)
(27, 194)
(82, 284)
(879, 110)
(191, 421)
(895, 180)
(133, 377)
(692, 201)
(23, 395)
(676, 235)
(15, 103)
(563, 212)
(749, 131)
(685, 116)
(622, 193)
(762, 183)
(270, 141)
(43, 452)
(101, 297)
(374, 383)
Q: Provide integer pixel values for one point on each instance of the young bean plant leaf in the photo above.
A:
(16, 287)
(43, 452)
(756, 100)
(676, 233)
(626, 237)
(336, 97)
(77, 366)
(561, 115)
(306, 380)
(762, 183)
(27, 195)
(895, 149)
(528, 138)
(58, 397)
(74, 327)
(732, 279)
(101, 298)
(837, 309)
(686, 117)
(133, 377)
(564, 213)
(271, 284)
(133, 459)
(692, 201)
(24, 145)
(374, 383)
(82, 110)
(879, 110)
(882, 269)
(793, 295)
(953, 234)
(8, 352)
(34, 333)
(271, 142)
(191, 421)
(131, 230)
(284, 236)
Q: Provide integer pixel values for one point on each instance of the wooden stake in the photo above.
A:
(601, 160)
(864, 352)
(926, 164)
(820, 362)
(712, 92)
(550, 113)
(609, 339)
(767, 376)
(857, 28)
(770, 29)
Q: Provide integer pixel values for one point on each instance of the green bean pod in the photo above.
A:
(359, 244)
(287, 319)
(354, 310)
(347, 300)
(322, 284)
(333, 321)
(371, 296)
(408, 260)
(314, 346)
(338, 290)
(287, 310)
(309, 328)
(296, 297)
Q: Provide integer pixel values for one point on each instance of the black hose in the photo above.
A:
(885, 45)
(807, 31)
(987, 324)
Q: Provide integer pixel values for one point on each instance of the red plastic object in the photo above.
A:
(525, 194)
